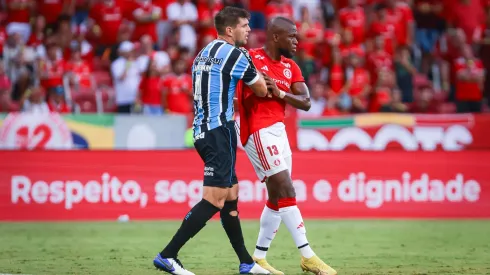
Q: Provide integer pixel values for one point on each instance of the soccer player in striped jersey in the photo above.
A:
(215, 73)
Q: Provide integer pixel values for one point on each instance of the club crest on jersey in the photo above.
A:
(287, 73)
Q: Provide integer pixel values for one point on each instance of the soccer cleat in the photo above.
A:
(316, 266)
(170, 265)
(265, 265)
(252, 268)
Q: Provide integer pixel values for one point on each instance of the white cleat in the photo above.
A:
(170, 265)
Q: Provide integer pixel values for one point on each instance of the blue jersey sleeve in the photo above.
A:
(244, 68)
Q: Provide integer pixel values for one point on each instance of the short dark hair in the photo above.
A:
(228, 17)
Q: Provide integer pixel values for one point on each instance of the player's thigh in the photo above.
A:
(265, 150)
(288, 154)
(218, 153)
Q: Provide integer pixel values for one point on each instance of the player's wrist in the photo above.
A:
(282, 94)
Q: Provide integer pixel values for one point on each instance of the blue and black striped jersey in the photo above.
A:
(215, 73)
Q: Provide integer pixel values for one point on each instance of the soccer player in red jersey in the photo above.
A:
(263, 135)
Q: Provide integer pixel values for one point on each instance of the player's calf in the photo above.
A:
(289, 212)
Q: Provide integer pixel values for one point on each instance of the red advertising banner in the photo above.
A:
(401, 132)
(105, 185)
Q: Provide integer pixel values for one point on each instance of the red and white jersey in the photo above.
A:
(52, 73)
(355, 20)
(82, 72)
(260, 112)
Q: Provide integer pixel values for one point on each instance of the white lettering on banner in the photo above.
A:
(357, 188)
(110, 189)
(375, 192)
(454, 138)
(178, 191)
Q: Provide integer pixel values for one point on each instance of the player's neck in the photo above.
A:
(227, 39)
(276, 56)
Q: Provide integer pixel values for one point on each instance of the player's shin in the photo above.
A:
(270, 220)
(194, 221)
(291, 216)
(231, 224)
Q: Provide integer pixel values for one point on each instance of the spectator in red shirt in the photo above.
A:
(465, 14)
(469, 82)
(57, 102)
(37, 34)
(206, 10)
(51, 69)
(448, 49)
(347, 47)
(359, 87)
(278, 8)
(310, 33)
(105, 23)
(383, 27)
(424, 101)
(257, 17)
(379, 60)
(484, 41)
(336, 81)
(51, 9)
(3, 39)
(400, 15)
(145, 17)
(177, 93)
(18, 16)
(79, 70)
(354, 18)
(86, 49)
(150, 91)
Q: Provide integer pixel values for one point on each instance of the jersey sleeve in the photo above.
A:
(244, 68)
(297, 75)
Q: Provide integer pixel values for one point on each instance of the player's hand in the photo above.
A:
(271, 86)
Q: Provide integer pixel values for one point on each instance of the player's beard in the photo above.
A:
(286, 53)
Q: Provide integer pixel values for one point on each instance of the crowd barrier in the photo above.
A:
(51, 185)
(365, 132)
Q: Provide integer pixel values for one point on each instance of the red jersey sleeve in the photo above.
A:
(297, 75)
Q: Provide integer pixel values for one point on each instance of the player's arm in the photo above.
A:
(245, 70)
(299, 97)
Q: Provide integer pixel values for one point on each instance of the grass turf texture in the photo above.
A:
(352, 247)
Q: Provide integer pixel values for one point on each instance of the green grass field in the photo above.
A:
(352, 247)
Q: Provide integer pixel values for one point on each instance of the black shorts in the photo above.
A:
(217, 149)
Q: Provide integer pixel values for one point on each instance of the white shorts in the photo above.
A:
(269, 152)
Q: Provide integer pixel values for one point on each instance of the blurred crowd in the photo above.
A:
(135, 56)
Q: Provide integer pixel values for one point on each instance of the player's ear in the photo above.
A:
(229, 31)
(275, 37)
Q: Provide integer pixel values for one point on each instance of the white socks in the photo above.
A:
(269, 224)
(294, 222)
(270, 221)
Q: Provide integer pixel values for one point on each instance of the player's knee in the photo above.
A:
(231, 207)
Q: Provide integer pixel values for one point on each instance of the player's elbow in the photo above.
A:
(306, 105)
